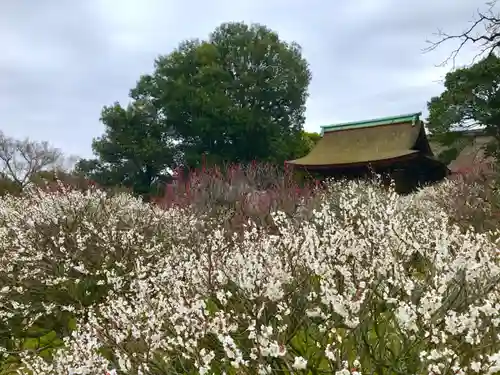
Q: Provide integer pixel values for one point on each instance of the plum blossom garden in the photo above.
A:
(355, 279)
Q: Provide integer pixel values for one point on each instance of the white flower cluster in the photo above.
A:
(370, 283)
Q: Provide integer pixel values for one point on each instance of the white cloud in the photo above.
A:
(63, 60)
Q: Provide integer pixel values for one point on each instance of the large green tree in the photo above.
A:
(471, 98)
(238, 96)
(136, 151)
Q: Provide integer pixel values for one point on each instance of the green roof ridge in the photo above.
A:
(372, 122)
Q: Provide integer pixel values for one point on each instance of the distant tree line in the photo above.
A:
(239, 96)
(236, 97)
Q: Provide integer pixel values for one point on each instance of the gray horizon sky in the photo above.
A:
(62, 61)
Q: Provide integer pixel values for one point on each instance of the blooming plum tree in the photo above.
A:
(371, 283)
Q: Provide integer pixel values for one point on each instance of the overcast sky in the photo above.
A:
(62, 60)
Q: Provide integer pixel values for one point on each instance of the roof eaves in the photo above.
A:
(372, 122)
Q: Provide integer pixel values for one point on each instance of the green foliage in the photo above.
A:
(471, 96)
(135, 150)
(312, 138)
(7, 186)
(239, 96)
(308, 142)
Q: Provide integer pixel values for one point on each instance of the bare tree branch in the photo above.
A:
(484, 32)
(20, 160)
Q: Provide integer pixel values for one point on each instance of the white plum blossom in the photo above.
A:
(299, 363)
(370, 275)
